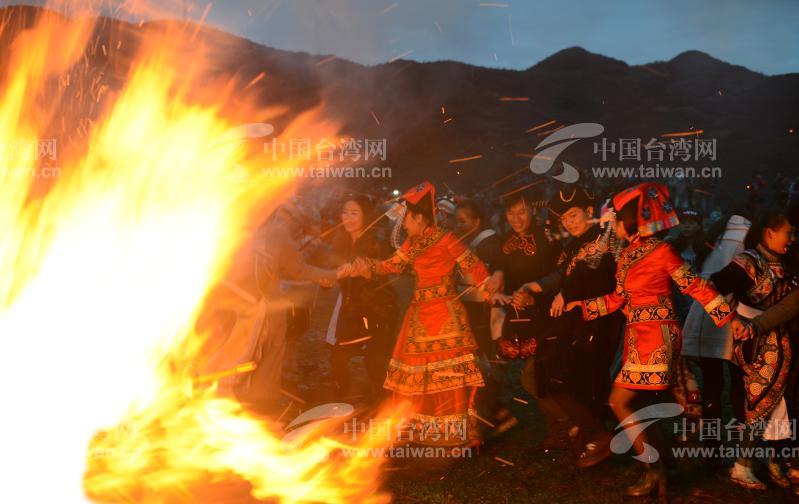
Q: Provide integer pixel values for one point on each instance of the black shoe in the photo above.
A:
(595, 451)
(653, 480)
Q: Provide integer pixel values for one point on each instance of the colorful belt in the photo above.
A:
(443, 290)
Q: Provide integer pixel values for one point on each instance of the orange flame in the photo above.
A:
(105, 271)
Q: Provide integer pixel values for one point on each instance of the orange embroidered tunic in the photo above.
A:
(652, 337)
(433, 363)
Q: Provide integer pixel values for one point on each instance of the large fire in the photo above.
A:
(106, 269)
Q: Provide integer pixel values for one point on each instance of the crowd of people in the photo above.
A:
(597, 306)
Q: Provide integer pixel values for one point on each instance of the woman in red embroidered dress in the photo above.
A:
(433, 364)
(652, 338)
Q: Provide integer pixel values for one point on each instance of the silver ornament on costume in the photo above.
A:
(397, 214)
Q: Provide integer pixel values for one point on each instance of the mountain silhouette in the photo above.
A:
(435, 112)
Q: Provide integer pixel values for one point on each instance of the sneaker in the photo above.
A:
(743, 476)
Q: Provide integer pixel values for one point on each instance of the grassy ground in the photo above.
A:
(539, 476)
(536, 475)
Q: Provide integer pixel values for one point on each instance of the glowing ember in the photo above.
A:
(325, 60)
(463, 160)
(256, 80)
(400, 56)
(682, 134)
(550, 131)
(106, 270)
(544, 125)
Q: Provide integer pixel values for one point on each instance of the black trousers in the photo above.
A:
(376, 352)
(713, 388)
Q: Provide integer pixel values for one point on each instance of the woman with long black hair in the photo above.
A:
(366, 312)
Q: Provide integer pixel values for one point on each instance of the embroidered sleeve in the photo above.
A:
(393, 265)
(469, 264)
(467, 261)
(593, 308)
(689, 283)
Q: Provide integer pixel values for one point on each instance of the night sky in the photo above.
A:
(760, 35)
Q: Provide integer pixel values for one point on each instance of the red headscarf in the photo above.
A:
(655, 211)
